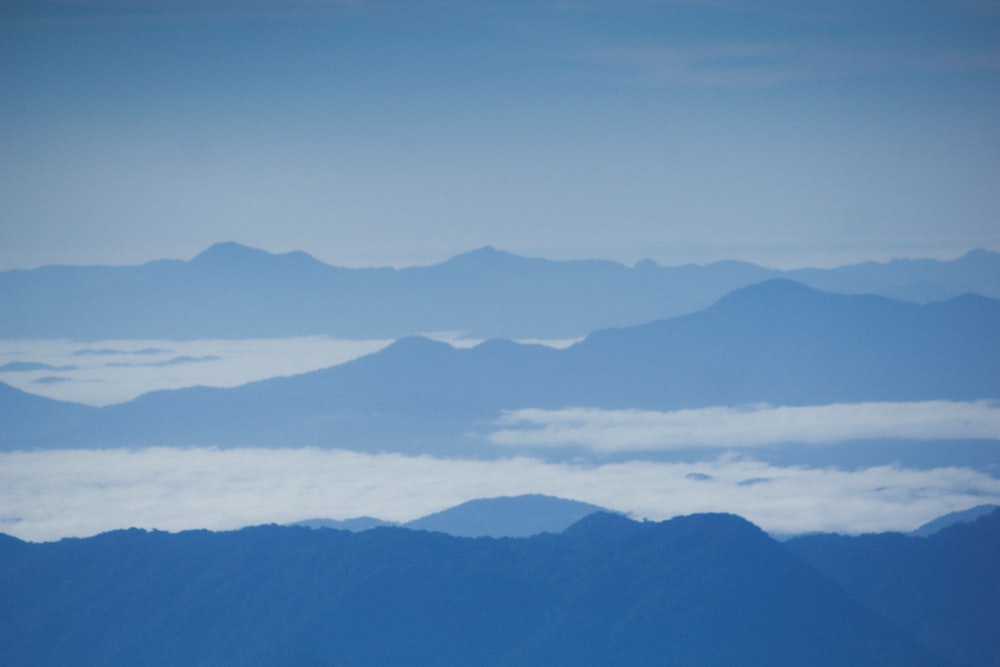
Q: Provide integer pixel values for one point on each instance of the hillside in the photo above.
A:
(943, 588)
(705, 590)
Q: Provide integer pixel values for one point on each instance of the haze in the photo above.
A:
(379, 132)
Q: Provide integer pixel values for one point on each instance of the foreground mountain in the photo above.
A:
(944, 588)
(699, 590)
(777, 342)
(231, 291)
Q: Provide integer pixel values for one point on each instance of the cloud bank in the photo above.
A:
(114, 371)
(53, 494)
(748, 426)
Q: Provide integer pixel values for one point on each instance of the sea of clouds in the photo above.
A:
(747, 426)
(48, 495)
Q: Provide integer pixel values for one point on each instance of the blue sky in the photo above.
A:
(393, 132)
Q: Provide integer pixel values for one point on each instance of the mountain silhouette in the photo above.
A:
(517, 516)
(950, 519)
(24, 416)
(355, 524)
(705, 590)
(233, 291)
(506, 516)
(777, 342)
(943, 589)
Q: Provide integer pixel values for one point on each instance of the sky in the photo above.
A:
(381, 132)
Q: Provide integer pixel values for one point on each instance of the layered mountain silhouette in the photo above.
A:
(533, 514)
(776, 342)
(952, 518)
(232, 291)
(698, 590)
(506, 516)
(943, 588)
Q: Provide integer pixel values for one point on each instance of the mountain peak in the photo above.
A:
(507, 516)
(486, 255)
(776, 292)
(229, 251)
(230, 254)
(417, 344)
(601, 526)
(980, 255)
(775, 286)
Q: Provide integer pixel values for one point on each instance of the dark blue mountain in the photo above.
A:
(231, 291)
(943, 589)
(702, 590)
(777, 342)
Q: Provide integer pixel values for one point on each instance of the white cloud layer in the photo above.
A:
(52, 494)
(748, 426)
(112, 371)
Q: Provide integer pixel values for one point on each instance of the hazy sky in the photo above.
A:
(395, 132)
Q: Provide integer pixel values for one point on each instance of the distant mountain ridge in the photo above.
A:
(506, 516)
(233, 291)
(777, 342)
(952, 518)
(533, 514)
(708, 589)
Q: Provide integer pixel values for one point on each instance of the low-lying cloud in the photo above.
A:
(747, 426)
(116, 371)
(52, 494)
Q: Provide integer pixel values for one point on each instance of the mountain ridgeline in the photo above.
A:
(776, 342)
(232, 291)
(506, 516)
(699, 590)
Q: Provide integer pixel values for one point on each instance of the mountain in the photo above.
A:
(919, 280)
(507, 516)
(24, 415)
(232, 291)
(700, 590)
(355, 525)
(518, 516)
(943, 589)
(777, 342)
(950, 519)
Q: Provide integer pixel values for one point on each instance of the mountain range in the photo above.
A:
(776, 342)
(707, 589)
(532, 514)
(232, 291)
